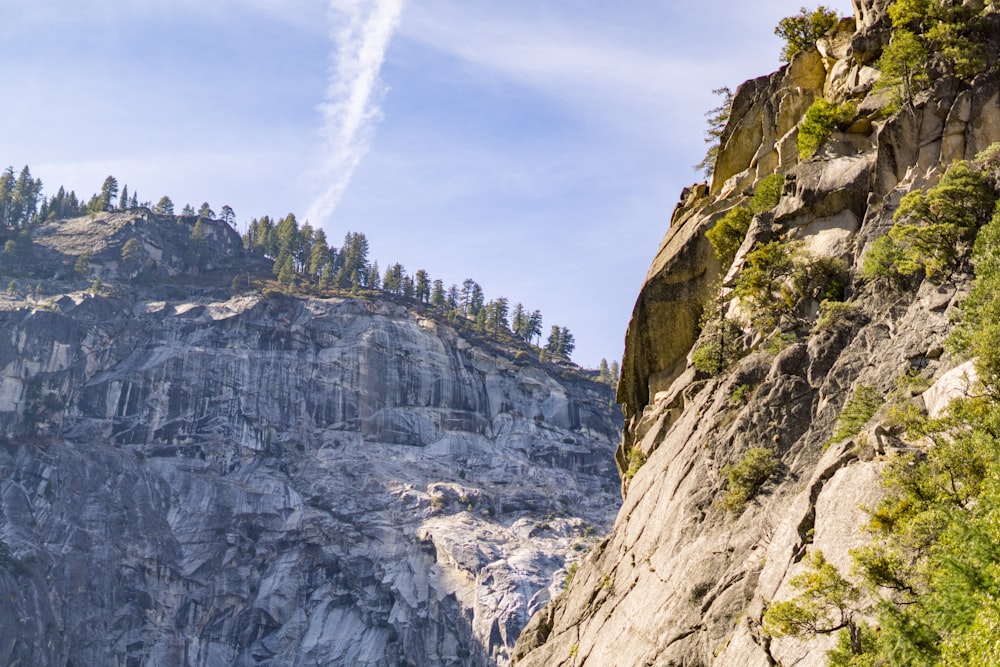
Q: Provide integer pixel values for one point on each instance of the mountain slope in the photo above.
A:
(196, 476)
(695, 559)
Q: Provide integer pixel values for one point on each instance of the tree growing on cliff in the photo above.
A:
(802, 30)
(717, 120)
(165, 206)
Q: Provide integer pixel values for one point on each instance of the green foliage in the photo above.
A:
(936, 546)
(761, 287)
(742, 393)
(934, 228)
(745, 479)
(883, 261)
(570, 573)
(778, 278)
(835, 314)
(636, 459)
(825, 602)
(934, 559)
(857, 411)
(719, 346)
(717, 120)
(801, 31)
(767, 194)
(904, 68)
(728, 233)
(929, 35)
(821, 119)
(978, 332)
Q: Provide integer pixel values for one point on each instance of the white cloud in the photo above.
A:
(362, 30)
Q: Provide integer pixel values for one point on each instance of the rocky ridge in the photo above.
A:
(681, 581)
(192, 475)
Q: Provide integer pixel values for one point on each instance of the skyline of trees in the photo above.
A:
(301, 254)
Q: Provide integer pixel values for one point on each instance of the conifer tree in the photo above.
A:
(165, 206)
(123, 201)
(453, 297)
(603, 372)
(374, 277)
(421, 286)
(517, 320)
(319, 254)
(438, 299)
(108, 194)
(6, 196)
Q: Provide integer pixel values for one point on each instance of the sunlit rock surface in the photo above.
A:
(254, 480)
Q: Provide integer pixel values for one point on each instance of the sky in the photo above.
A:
(536, 146)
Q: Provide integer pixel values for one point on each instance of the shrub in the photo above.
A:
(802, 30)
(728, 233)
(767, 194)
(883, 261)
(720, 345)
(826, 603)
(987, 161)
(933, 228)
(820, 121)
(760, 285)
(745, 479)
(834, 314)
(857, 411)
(570, 573)
(742, 393)
(636, 459)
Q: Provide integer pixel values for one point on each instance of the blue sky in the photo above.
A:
(536, 146)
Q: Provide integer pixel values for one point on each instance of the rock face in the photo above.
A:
(270, 480)
(681, 580)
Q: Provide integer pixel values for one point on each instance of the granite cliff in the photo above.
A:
(683, 579)
(192, 473)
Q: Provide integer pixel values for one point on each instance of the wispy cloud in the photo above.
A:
(361, 33)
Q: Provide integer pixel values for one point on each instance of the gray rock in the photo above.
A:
(279, 481)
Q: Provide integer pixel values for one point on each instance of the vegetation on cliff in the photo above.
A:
(929, 580)
(299, 254)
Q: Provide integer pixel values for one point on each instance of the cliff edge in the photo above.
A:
(691, 565)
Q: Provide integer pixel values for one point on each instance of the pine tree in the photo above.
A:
(108, 195)
(533, 327)
(6, 196)
(421, 286)
(517, 319)
(717, 120)
(438, 299)
(205, 211)
(227, 214)
(123, 201)
(566, 343)
(164, 207)
(374, 279)
(187, 211)
(554, 343)
(199, 246)
(408, 288)
(496, 315)
(469, 286)
(603, 372)
(318, 255)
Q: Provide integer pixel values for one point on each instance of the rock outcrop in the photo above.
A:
(681, 580)
(191, 477)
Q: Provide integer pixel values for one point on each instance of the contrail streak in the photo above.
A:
(361, 31)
